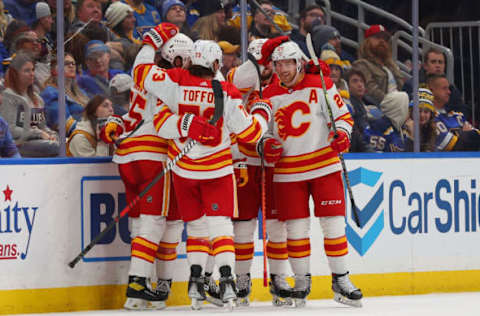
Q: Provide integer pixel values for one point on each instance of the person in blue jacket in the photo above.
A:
(75, 98)
(8, 149)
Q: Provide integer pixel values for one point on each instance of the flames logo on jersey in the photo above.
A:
(284, 119)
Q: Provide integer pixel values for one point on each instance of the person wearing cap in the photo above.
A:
(328, 37)
(174, 11)
(331, 58)
(311, 15)
(211, 21)
(96, 78)
(124, 47)
(121, 20)
(120, 86)
(145, 14)
(43, 26)
(21, 9)
(383, 77)
(428, 133)
(230, 56)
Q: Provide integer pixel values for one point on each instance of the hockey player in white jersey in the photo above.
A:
(310, 166)
(141, 157)
(203, 178)
(249, 190)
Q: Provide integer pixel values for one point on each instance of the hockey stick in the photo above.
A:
(120, 140)
(262, 182)
(218, 113)
(334, 127)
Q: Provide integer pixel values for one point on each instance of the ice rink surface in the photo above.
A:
(457, 304)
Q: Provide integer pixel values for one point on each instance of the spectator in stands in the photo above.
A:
(14, 28)
(312, 14)
(21, 10)
(8, 149)
(121, 20)
(76, 47)
(328, 37)
(85, 140)
(95, 80)
(24, 111)
(280, 18)
(89, 12)
(86, 10)
(27, 42)
(68, 14)
(146, 15)
(356, 85)
(5, 19)
(124, 48)
(261, 26)
(230, 56)
(75, 99)
(173, 11)
(382, 75)
(43, 26)
(212, 19)
(434, 63)
(464, 137)
(120, 86)
(336, 71)
(428, 133)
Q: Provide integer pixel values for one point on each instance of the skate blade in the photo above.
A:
(230, 304)
(281, 301)
(242, 301)
(135, 304)
(300, 302)
(158, 305)
(196, 304)
(345, 300)
(215, 301)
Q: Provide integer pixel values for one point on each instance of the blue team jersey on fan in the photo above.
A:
(449, 125)
(383, 137)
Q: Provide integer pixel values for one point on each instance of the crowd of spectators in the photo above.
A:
(102, 38)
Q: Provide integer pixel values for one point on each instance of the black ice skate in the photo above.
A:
(280, 289)
(196, 290)
(140, 296)
(345, 292)
(212, 290)
(244, 285)
(227, 287)
(301, 289)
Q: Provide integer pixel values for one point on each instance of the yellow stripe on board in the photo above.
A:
(113, 296)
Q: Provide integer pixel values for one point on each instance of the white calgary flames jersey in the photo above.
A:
(302, 124)
(245, 78)
(183, 93)
(144, 143)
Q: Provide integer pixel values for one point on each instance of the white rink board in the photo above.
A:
(70, 199)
